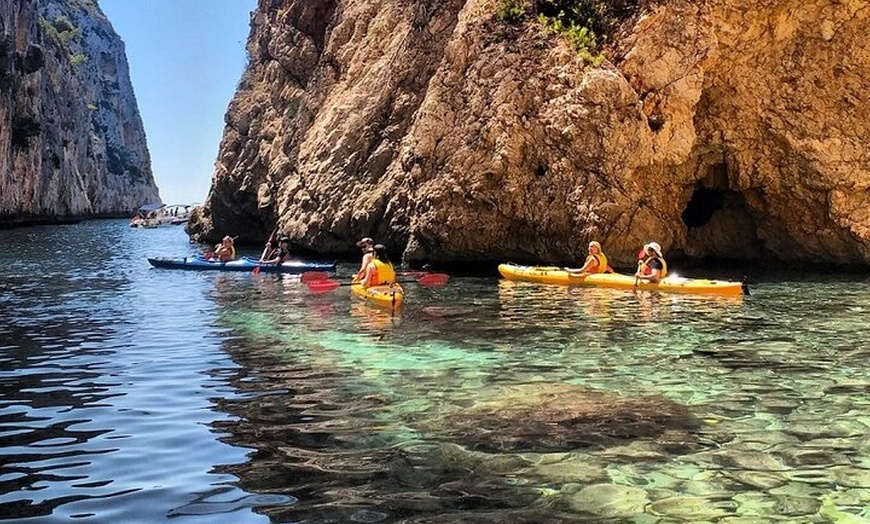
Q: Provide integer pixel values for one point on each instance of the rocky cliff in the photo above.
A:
(72, 144)
(731, 129)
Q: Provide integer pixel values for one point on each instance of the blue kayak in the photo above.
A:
(239, 264)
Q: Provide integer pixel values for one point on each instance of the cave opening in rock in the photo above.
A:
(701, 207)
(720, 222)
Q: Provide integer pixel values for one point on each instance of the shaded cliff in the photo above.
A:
(72, 143)
(719, 128)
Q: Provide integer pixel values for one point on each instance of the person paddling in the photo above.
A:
(278, 255)
(367, 246)
(380, 270)
(225, 251)
(652, 268)
(596, 262)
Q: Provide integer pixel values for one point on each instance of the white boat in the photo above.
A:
(157, 215)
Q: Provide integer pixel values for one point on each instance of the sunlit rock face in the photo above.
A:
(731, 129)
(72, 144)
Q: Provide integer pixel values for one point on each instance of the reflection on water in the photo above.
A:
(106, 374)
(133, 394)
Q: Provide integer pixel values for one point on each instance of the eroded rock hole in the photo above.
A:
(701, 207)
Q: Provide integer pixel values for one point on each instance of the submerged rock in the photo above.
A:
(556, 417)
(609, 500)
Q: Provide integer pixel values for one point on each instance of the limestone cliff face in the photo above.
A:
(72, 144)
(719, 128)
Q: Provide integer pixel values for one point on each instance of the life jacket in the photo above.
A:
(646, 270)
(383, 274)
(602, 263)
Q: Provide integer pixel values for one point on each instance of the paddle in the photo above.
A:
(432, 279)
(256, 270)
(324, 285)
(426, 279)
(312, 276)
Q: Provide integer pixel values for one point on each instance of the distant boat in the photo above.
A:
(159, 214)
(179, 213)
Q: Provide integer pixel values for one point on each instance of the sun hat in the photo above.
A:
(366, 240)
(655, 247)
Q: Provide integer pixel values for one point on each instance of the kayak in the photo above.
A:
(557, 275)
(240, 264)
(390, 296)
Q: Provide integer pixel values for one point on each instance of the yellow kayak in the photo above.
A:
(390, 296)
(557, 275)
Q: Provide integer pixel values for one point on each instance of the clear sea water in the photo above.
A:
(133, 394)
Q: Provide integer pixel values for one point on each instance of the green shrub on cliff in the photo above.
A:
(78, 59)
(581, 38)
(588, 25)
(511, 11)
(60, 29)
(600, 17)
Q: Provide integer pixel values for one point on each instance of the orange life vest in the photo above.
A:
(602, 263)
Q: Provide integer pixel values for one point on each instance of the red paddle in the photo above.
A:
(433, 279)
(312, 276)
(325, 286)
(320, 285)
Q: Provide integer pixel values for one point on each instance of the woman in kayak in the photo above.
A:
(380, 270)
(652, 267)
(280, 254)
(596, 262)
(225, 251)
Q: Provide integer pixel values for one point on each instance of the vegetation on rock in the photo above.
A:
(63, 31)
(588, 25)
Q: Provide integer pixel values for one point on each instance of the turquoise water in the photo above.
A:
(134, 394)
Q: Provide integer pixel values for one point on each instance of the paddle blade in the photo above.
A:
(313, 276)
(433, 279)
(256, 270)
(322, 286)
(412, 274)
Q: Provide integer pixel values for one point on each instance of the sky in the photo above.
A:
(186, 58)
